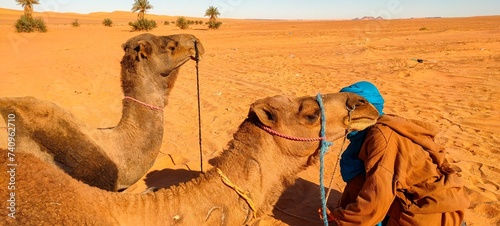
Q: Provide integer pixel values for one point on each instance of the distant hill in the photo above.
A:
(369, 18)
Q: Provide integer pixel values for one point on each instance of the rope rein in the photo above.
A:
(349, 111)
(335, 168)
(144, 104)
(197, 59)
(324, 148)
(224, 178)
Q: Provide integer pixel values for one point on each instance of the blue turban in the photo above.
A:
(369, 92)
(350, 164)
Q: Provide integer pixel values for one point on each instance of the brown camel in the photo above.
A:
(257, 164)
(109, 158)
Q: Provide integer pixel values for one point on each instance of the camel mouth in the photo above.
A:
(364, 119)
(176, 67)
(362, 123)
(196, 57)
(182, 62)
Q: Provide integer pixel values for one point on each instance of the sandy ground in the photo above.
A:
(456, 87)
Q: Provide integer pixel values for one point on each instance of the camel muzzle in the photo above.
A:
(197, 55)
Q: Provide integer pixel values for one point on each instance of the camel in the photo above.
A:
(241, 188)
(109, 158)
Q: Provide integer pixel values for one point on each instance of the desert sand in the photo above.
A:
(456, 87)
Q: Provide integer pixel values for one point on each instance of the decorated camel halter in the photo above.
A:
(294, 138)
(288, 137)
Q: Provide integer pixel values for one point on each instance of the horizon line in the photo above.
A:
(355, 18)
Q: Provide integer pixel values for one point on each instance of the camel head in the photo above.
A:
(157, 59)
(300, 117)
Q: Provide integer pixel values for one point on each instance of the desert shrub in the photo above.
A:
(200, 22)
(182, 23)
(423, 29)
(29, 24)
(107, 22)
(142, 24)
(75, 23)
(166, 23)
(214, 24)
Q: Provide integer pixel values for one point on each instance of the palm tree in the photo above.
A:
(142, 6)
(28, 6)
(212, 12)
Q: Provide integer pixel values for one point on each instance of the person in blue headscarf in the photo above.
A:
(395, 169)
(350, 165)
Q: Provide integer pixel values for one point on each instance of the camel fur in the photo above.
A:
(258, 163)
(108, 158)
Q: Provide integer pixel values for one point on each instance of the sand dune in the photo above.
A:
(456, 87)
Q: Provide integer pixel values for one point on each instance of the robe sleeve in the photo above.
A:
(377, 193)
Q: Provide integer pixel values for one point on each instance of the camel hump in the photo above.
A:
(31, 111)
(63, 137)
(19, 104)
(21, 107)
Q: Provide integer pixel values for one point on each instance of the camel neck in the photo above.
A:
(140, 130)
(145, 98)
(207, 199)
(143, 103)
(251, 159)
(147, 86)
(140, 114)
(197, 202)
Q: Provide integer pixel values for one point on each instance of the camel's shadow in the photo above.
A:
(297, 205)
(166, 178)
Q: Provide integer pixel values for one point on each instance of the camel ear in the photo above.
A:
(143, 49)
(265, 113)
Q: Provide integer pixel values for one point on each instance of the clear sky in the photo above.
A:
(283, 9)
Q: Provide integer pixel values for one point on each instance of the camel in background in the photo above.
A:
(244, 184)
(109, 158)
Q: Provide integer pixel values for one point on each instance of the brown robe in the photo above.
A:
(407, 178)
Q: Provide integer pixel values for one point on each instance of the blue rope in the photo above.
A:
(324, 147)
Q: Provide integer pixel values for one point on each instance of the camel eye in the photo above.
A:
(171, 46)
(309, 110)
(312, 118)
